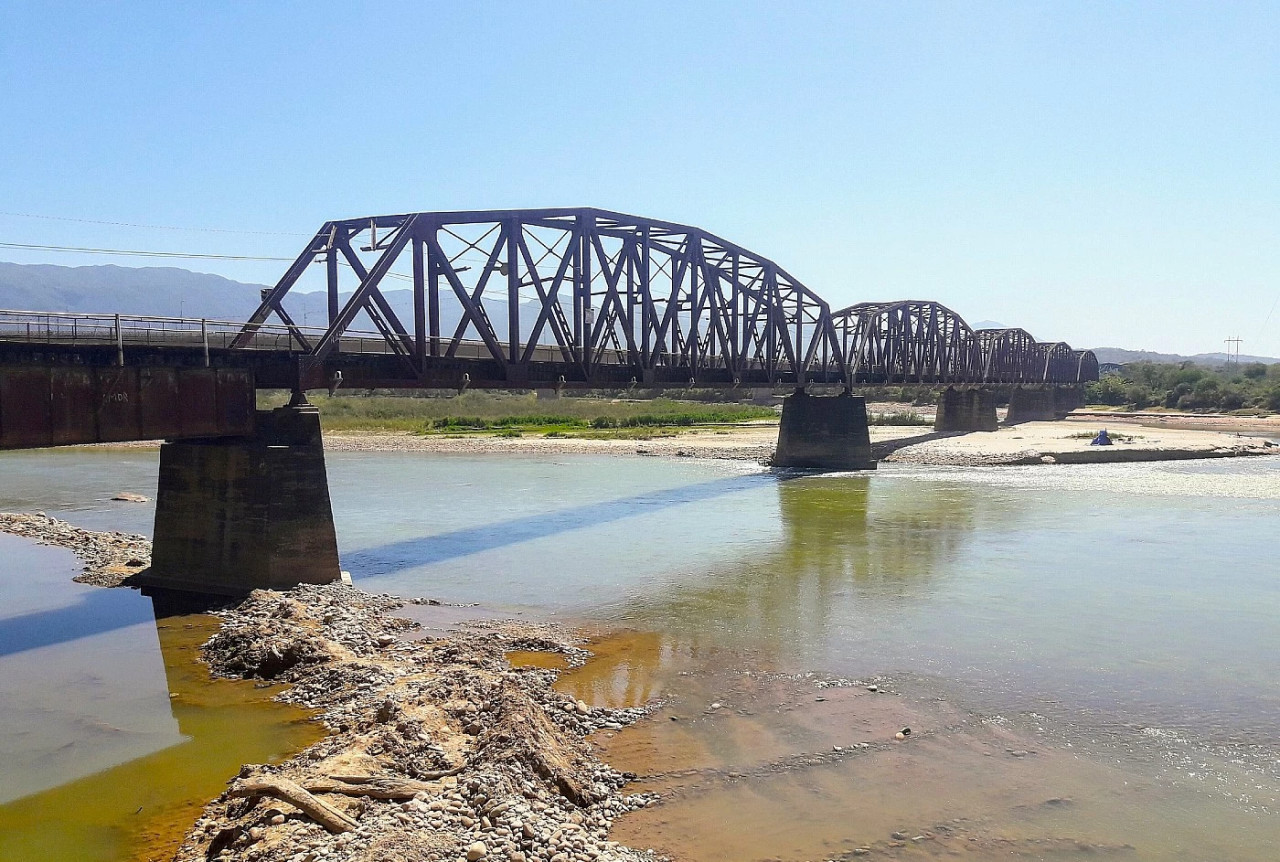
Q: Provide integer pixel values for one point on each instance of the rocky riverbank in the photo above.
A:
(439, 749)
(109, 557)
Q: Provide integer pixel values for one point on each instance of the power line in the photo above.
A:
(77, 249)
(1267, 319)
(154, 226)
(27, 246)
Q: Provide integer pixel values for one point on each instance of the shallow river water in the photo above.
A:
(1088, 653)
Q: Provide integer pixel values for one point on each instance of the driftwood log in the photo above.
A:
(378, 788)
(284, 789)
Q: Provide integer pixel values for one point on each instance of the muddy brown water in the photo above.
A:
(141, 808)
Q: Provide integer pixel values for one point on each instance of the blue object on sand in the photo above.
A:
(1102, 439)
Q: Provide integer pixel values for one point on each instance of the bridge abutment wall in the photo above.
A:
(824, 433)
(1032, 405)
(964, 410)
(234, 514)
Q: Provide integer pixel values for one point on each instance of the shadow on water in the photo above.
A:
(102, 611)
(91, 614)
(427, 550)
(141, 808)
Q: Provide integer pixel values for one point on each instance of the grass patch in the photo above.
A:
(1115, 438)
(513, 414)
(898, 417)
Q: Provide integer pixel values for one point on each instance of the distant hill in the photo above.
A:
(987, 324)
(173, 292)
(159, 291)
(1120, 356)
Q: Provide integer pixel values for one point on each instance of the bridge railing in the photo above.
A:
(129, 331)
(134, 330)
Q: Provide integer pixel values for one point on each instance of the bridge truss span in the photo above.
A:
(923, 342)
(589, 297)
(585, 296)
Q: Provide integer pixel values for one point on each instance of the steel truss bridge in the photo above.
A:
(559, 297)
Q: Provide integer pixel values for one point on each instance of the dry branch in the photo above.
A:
(282, 788)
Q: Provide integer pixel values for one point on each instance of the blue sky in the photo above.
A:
(1105, 174)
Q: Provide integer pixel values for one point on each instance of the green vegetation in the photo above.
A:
(1186, 386)
(512, 414)
(899, 417)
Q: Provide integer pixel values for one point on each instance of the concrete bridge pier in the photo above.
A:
(825, 433)
(1031, 404)
(964, 410)
(1067, 398)
(235, 514)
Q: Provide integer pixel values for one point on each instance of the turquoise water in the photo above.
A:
(1116, 605)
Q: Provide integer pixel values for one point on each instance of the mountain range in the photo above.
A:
(174, 292)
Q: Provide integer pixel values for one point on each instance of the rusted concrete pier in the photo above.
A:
(964, 410)
(1032, 404)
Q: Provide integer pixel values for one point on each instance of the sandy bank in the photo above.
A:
(745, 443)
(1261, 426)
(1029, 443)
(1067, 442)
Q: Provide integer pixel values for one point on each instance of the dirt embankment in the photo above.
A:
(439, 749)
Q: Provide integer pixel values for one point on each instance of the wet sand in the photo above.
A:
(750, 764)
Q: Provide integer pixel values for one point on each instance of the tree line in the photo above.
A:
(1187, 386)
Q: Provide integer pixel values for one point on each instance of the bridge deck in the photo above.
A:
(367, 359)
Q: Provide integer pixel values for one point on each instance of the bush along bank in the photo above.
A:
(439, 749)
(1187, 386)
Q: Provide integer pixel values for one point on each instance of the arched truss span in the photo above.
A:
(588, 296)
(912, 341)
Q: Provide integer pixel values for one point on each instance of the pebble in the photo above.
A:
(477, 851)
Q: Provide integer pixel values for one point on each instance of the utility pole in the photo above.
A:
(1230, 342)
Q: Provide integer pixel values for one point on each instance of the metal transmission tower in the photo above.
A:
(1233, 342)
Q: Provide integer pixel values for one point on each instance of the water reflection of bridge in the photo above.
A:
(845, 543)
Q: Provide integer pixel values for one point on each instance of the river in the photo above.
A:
(1118, 625)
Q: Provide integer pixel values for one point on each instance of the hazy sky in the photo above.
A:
(1104, 174)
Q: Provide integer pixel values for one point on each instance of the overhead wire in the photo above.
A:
(155, 226)
(30, 246)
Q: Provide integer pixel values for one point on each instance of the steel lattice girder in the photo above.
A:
(917, 341)
(599, 295)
